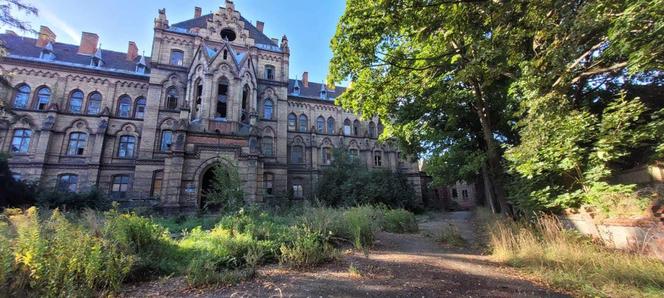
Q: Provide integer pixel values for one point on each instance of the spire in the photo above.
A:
(296, 87)
(97, 60)
(142, 60)
(323, 91)
(47, 52)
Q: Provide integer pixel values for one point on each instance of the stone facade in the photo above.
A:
(216, 89)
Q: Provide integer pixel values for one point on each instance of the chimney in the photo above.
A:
(132, 51)
(88, 43)
(260, 25)
(305, 79)
(45, 36)
(197, 12)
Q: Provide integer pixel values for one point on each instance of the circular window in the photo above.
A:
(228, 34)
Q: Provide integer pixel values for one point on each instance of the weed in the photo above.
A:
(450, 235)
(399, 221)
(354, 271)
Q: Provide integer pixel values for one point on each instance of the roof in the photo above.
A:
(313, 90)
(201, 22)
(25, 48)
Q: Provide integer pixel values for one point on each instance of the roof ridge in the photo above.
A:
(64, 43)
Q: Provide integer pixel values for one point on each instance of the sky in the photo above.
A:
(309, 25)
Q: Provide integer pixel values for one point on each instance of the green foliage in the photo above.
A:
(347, 183)
(93, 199)
(450, 235)
(14, 193)
(226, 188)
(306, 249)
(399, 221)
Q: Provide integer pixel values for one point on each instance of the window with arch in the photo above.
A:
(94, 103)
(292, 122)
(297, 154)
(166, 141)
(171, 98)
(124, 106)
(298, 191)
(67, 183)
(268, 179)
(177, 57)
(43, 98)
(76, 101)
(269, 72)
(320, 125)
(304, 123)
(330, 126)
(372, 130)
(139, 108)
(326, 155)
(356, 127)
(379, 128)
(157, 181)
(77, 143)
(22, 96)
(378, 158)
(267, 145)
(246, 92)
(21, 141)
(120, 186)
(347, 128)
(127, 147)
(222, 99)
(267, 108)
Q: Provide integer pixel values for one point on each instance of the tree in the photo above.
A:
(13, 193)
(226, 189)
(424, 65)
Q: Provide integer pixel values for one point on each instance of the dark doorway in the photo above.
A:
(206, 187)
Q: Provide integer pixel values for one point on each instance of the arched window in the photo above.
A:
(67, 183)
(124, 106)
(292, 122)
(378, 158)
(22, 97)
(330, 126)
(166, 141)
(245, 108)
(222, 99)
(326, 155)
(269, 72)
(297, 154)
(21, 141)
(177, 57)
(267, 183)
(320, 125)
(356, 128)
(298, 192)
(304, 123)
(171, 98)
(127, 146)
(380, 128)
(76, 101)
(157, 181)
(267, 109)
(267, 146)
(94, 103)
(372, 130)
(120, 186)
(77, 143)
(43, 98)
(347, 128)
(139, 108)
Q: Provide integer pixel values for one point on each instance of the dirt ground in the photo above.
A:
(399, 265)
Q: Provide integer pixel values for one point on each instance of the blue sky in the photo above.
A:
(308, 24)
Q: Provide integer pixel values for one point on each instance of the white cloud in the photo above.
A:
(58, 24)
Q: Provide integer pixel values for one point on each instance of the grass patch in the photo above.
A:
(183, 223)
(570, 261)
(399, 221)
(450, 235)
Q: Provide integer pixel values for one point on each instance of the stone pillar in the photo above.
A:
(150, 121)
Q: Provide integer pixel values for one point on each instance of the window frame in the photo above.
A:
(268, 184)
(93, 99)
(270, 72)
(140, 102)
(292, 154)
(39, 106)
(130, 147)
(292, 122)
(22, 143)
(320, 125)
(161, 141)
(171, 98)
(124, 100)
(121, 192)
(179, 62)
(62, 187)
(155, 191)
(268, 103)
(77, 143)
(72, 96)
(25, 96)
(331, 126)
(378, 158)
(303, 123)
(267, 140)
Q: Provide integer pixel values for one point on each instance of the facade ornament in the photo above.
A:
(284, 44)
(48, 123)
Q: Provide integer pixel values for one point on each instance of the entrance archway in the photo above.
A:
(207, 182)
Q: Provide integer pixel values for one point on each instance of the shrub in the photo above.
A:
(450, 235)
(6, 255)
(93, 199)
(399, 221)
(306, 249)
(203, 270)
(360, 225)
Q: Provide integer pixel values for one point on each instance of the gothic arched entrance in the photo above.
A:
(207, 182)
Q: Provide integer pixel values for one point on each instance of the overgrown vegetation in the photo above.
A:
(570, 261)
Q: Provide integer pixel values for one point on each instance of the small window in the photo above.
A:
(326, 155)
(297, 154)
(157, 181)
(166, 140)
(267, 109)
(139, 109)
(464, 194)
(77, 143)
(21, 141)
(94, 103)
(22, 97)
(43, 98)
(292, 122)
(304, 123)
(372, 130)
(267, 146)
(267, 183)
(330, 126)
(298, 191)
(320, 125)
(127, 146)
(356, 128)
(67, 183)
(177, 57)
(378, 159)
(76, 102)
(245, 109)
(120, 186)
(171, 98)
(124, 106)
(347, 128)
(222, 99)
(227, 34)
(454, 193)
(269, 72)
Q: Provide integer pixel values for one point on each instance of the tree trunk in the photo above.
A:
(488, 190)
(495, 168)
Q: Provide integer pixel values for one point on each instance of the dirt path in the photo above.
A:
(408, 265)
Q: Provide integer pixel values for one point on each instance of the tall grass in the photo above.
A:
(569, 261)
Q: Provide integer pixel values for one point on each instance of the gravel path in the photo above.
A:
(399, 265)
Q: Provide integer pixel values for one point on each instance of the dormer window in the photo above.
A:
(140, 69)
(47, 53)
(323, 94)
(269, 72)
(296, 90)
(96, 60)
